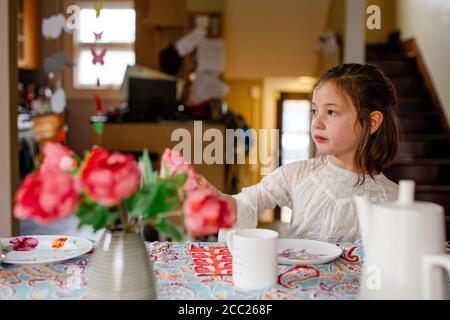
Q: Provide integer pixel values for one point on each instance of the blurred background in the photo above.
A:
(153, 66)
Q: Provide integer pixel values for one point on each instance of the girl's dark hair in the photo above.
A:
(370, 90)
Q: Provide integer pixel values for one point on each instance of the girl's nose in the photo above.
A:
(317, 123)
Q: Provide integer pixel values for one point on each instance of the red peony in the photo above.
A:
(206, 213)
(46, 197)
(173, 163)
(57, 156)
(109, 179)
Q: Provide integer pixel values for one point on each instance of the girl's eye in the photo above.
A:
(313, 112)
(332, 113)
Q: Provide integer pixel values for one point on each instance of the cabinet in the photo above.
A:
(27, 34)
(157, 136)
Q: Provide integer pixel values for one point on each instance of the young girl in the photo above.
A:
(355, 129)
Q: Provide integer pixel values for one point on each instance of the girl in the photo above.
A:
(355, 129)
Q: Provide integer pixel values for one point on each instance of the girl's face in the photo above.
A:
(333, 124)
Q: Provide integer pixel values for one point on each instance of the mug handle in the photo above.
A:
(431, 275)
(230, 240)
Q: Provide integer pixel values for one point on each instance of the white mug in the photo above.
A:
(255, 258)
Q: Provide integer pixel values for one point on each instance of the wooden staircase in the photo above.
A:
(424, 151)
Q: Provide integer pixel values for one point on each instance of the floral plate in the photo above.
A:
(43, 249)
(306, 252)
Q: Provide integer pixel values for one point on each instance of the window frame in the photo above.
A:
(72, 49)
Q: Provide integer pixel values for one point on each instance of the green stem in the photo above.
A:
(123, 217)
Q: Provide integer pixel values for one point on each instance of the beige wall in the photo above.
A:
(388, 16)
(278, 38)
(8, 116)
(428, 21)
(336, 19)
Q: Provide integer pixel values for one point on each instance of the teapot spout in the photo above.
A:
(363, 207)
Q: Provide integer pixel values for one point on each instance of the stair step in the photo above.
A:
(375, 56)
(408, 85)
(436, 194)
(431, 149)
(424, 137)
(429, 125)
(418, 114)
(414, 103)
(423, 161)
(394, 67)
(421, 173)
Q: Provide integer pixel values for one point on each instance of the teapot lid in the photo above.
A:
(406, 199)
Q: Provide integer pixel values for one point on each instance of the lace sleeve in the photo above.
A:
(274, 190)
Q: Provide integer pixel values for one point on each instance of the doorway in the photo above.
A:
(294, 125)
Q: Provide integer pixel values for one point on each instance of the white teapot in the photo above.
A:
(404, 246)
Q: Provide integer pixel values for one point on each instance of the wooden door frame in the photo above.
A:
(9, 151)
(283, 97)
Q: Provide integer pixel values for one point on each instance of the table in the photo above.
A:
(176, 278)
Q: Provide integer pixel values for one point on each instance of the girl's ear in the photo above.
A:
(376, 119)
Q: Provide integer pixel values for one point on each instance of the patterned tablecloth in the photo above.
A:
(176, 278)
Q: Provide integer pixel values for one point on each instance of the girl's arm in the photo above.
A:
(274, 190)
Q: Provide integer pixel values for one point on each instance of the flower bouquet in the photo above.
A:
(114, 191)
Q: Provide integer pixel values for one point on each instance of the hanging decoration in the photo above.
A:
(98, 6)
(98, 36)
(52, 27)
(98, 59)
(62, 134)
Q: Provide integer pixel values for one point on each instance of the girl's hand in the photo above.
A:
(203, 183)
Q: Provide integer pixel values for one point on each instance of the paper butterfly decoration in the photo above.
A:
(98, 36)
(98, 58)
(98, 6)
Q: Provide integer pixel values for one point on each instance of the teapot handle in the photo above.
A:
(435, 280)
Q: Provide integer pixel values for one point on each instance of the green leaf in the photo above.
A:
(95, 216)
(177, 181)
(169, 229)
(166, 170)
(143, 201)
(75, 172)
(161, 203)
(150, 177)
(112, 217)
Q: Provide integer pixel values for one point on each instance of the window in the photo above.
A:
(117, 21)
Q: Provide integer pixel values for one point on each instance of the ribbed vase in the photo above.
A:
(121, 269)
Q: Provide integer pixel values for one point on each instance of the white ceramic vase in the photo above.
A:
(121, 268)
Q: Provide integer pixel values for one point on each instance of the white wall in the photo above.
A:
(355, 32)
(6, 223)
(428, 21)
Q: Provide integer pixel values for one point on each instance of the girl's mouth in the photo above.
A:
(320, 139)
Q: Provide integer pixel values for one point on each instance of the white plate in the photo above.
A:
(306, 252)
(49, 249)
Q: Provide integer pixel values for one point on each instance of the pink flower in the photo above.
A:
(46, 197)
(109, 179)
(206, 213)
(59, 157)
(174, 164)
(24, 244)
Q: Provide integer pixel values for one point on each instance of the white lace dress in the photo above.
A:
(320, 195)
